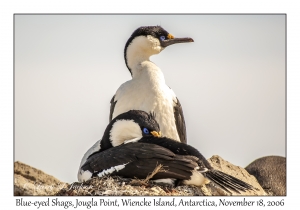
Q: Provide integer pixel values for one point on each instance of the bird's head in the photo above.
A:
(148, 40)
(130, 126)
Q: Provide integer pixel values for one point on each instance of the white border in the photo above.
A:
(8, 8)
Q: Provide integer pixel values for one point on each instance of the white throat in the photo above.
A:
(147, 90)
(124, 130)
(138, 53)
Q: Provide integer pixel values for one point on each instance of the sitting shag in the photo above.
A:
(147, 89)
(132, 146)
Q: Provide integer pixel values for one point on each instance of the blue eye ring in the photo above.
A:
(162, 38)
(146, 131)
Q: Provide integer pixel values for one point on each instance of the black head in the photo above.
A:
(142, 118)
(131, 125)
(157, 32)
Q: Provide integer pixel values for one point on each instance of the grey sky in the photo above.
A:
(230, 82)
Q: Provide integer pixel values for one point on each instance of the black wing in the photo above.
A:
(178, 148)
(225, 181)
(139, 160)
(179, 121)
(112, 107)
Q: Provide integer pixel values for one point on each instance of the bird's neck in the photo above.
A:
(148, 71)
(142, 68)
(137, 57)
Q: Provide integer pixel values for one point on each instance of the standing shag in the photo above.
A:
(132, 146)
(147, 89)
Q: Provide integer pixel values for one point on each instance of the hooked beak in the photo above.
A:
(167, 42)
(156, 134)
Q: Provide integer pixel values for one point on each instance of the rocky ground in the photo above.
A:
(31, 181)
(270, 172)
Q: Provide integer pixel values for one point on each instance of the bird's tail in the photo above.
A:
(227, 182)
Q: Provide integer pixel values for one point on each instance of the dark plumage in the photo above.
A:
(141, 118)
(141, 160)
(225, 181)
(138, 158)
(180, 122)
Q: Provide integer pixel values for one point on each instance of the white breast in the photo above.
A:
(85, 175)
(148, 92)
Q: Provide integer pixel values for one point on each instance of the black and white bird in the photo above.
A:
(132, 146)
(122, 128)
(147, 89)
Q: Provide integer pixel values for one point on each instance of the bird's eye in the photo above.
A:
(146, 131)
(162, 38)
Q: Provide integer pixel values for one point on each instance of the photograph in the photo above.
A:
(150, 105)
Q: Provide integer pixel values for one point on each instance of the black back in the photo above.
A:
(140, 159)
(179, 121)
(177, 148)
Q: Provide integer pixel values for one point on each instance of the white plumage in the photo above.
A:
(147, 89)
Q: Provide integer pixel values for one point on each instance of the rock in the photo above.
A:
(270, 172)
(117, 186)
(218, 163)
(32, 181)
